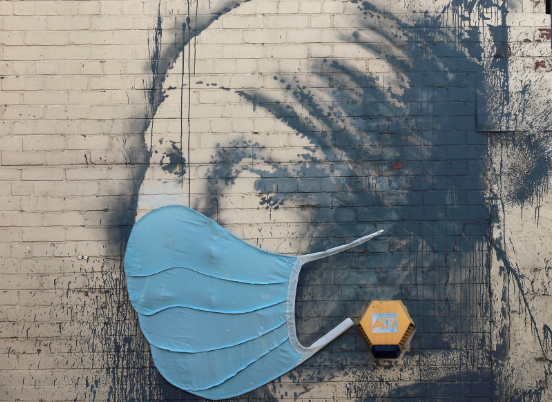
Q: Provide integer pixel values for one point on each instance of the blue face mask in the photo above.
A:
(218, 313)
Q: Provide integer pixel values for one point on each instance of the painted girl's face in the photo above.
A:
(299, 131)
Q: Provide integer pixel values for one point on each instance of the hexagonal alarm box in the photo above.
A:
(386, 325)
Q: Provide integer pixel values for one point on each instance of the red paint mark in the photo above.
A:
(540, 64)
(396, 166)
(526, 40)
(544, 33)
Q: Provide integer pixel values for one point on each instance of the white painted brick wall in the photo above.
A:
(377, 146)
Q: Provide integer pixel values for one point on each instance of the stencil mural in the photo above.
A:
(398, 120)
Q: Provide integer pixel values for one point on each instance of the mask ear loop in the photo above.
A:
(303, 259)
(290, 308)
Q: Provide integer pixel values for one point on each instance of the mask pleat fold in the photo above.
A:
(182, 329)
(176, 236)
(200, 371)
(180, 287)
(267, 368)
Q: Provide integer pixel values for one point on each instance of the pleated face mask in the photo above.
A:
(218, 313)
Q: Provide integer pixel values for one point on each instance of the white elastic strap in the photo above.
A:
(316, 256)
(326, 339)
(290, 303)
(334, 333)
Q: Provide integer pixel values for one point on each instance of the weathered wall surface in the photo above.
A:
(298, 126)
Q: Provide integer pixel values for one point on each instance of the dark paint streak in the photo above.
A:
(182, 101)
(508, 180)
(513, 274)
(195, 36)
(188, 20)
(154, 65)
(122, 349)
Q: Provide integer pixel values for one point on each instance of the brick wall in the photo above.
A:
(298, 126)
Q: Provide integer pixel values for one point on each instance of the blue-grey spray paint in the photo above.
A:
(421, 182)
(472, 236)
(122, 349)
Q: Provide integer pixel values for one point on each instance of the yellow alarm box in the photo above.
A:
(386, 325)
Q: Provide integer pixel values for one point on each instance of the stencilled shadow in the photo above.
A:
(402, 153)
(395, 150)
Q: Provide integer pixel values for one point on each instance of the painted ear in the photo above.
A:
(316, 256)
